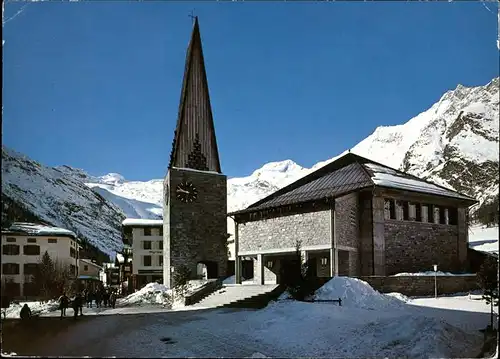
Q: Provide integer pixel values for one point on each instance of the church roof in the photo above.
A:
(194, 145)
(347, 174)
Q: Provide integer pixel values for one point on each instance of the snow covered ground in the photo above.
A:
(37, 308)
(367, 324)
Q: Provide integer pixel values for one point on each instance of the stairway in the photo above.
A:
(239, 296)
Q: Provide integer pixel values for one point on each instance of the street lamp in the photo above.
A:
(435, 281)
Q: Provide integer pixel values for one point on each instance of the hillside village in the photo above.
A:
(391, 236)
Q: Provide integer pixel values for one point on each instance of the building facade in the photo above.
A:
(354, 217)
(88, 268)
(145, 237)
(23, 246)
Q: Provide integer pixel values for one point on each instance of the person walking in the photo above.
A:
(25, 312)
(77, 303)
(81, 296)
(63, 304)
(112, 299)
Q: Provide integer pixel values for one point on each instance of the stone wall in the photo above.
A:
(282, 232)
(365, 234)
(423, 285)
(416, 246)
(347, 220)
(195, 231)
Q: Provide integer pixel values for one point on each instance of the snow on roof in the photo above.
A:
(35, 229)
(121, 258)
(89, 261)
(388, 177)
(142, 222)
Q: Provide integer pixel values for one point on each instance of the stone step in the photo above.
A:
(234, 294)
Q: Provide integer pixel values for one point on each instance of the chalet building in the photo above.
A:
(89, 268)
(354, 217)
(23, 245)
(145, 237)
(89, 274)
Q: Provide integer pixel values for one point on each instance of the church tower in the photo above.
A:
(194, 190)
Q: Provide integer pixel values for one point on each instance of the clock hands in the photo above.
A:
(182, 190)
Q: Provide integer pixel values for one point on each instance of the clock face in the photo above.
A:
(186, 192)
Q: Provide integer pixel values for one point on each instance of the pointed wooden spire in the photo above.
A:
(194, 144)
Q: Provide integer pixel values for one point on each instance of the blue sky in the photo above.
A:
(96, 85)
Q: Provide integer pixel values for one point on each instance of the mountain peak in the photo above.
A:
(112, 178)
(285, 166)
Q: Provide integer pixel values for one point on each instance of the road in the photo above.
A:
(172, 334)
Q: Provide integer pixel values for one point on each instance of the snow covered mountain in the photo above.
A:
(453, 143)
(31, 192)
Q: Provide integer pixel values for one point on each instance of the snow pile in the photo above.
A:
(151, 293)
(398, 296)
(417, 337)
(12, 354)
(355, 293)
(37, 308)
(333, 331)
(430, 273)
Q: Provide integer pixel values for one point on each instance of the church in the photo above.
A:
(354, 217)
(194, 189)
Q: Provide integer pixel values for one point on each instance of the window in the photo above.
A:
(10, 249)
(269, 264)
(160, 245)
(30, 268)
(85, 267)
(161, 231)
(418, 212)
(31, 250)
(453, 216)
(31, 240)
(73, 269)
(147, 231)
(160, 260)
(147, 261)
(52, 240)
(406, 216)
(412, 211)
(425, 213)
(13, 289)
(11, 239)
(146, 244)
(10, 268)
(324, 261)
(389, 209)
(72, 252)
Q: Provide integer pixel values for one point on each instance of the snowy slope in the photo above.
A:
(60, 200)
